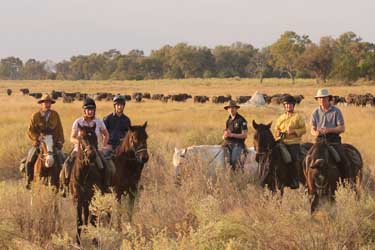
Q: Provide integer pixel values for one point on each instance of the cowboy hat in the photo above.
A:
(322, 93)
(231, 104)
(46, 98)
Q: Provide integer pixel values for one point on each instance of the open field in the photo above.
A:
(229, 213)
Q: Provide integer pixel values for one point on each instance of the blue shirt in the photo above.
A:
(117, 127)
(329, 119)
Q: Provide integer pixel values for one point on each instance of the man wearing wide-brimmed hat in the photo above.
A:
(327, 123)
(235, 133)
(289, 128)
(44, 121)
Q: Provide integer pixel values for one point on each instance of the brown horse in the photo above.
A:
(85, 175)
(322, 171)
(47, 166)
(274, 172)
(130, 158)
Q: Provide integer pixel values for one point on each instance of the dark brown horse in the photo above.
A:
(130, 158)
(322, 171)
(274, 172)
(85, 175)
(47, 166)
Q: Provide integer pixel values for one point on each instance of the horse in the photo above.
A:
(47, 166)
(322, 171)
(274, 171)
(85, 175)
(131, 155)
(213, 156)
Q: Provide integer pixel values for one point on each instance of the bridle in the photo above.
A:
(136, 149)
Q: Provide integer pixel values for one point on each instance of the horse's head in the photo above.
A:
(89, 142)
(178, 157)
(47, 150)
(137, 142)
(316, 165)
(263, 138)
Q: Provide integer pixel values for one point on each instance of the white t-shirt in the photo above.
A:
(99, 127)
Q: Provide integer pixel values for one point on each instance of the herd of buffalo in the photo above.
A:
(351, 99)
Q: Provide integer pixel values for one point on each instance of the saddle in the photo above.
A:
(287, 158)
(333, 152)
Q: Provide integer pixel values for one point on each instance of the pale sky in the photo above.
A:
(59, 29)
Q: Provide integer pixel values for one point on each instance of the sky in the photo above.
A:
(59, 29)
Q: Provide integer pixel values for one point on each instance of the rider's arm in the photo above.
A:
(337, 130)
(300, 130)
(32, 130)
(105, 136)
(59, 131)
(74, 136)
(243, 135)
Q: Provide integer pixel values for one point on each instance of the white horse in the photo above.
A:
(212, 156)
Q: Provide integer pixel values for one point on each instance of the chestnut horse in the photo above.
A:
(47, 166)
(130, 158)
(274, 172)
(323, 173)
(85, 175)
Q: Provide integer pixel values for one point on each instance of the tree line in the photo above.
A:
(346, 58)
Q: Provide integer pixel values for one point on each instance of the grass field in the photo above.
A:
(229, 213)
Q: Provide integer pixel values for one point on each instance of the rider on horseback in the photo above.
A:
(235, 133)
(327, 123)
(117, 124)
(289, 128)
(45, 121)
(88, 119)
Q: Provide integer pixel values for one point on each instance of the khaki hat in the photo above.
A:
(322, 93)
(46, 97)
(231, 104)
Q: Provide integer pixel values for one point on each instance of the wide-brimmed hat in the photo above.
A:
(46, 98)
(322, 93)
(231, 104)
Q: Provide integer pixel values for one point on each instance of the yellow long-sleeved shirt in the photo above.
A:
(294, 121)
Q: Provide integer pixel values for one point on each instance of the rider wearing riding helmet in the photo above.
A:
(88, 119)
(289, 128)
(117, 123)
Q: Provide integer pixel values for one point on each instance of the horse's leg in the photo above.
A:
(79, 222)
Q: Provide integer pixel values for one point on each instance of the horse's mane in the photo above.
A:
(125, 144)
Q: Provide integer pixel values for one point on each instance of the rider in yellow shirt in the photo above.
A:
(290, 127)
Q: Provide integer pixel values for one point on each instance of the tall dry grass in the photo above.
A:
(228, 212)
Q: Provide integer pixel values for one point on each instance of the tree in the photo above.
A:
(11, 68)
(34, 70)
(286, 51)
(349, 51)
(318, 59)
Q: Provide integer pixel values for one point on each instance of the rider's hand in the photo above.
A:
(277, 133)
(59, 145)
(322, 131)
(226, 135)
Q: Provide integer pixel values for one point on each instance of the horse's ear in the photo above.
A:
(269, 125)
(255, 125)
(131, 128)
(145, 125)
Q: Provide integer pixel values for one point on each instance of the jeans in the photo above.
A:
(235, 151)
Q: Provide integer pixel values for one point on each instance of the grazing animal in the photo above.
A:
(9, 92)
(322, 171)
(25, 91)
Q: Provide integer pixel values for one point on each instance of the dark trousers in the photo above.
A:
(335, 141)
(32, 155)
(294, 150)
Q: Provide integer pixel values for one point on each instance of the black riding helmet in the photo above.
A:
(119, 99)
(89, 103)
(289, 99)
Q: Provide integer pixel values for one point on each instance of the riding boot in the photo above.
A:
(66, 171)
(294, 178)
